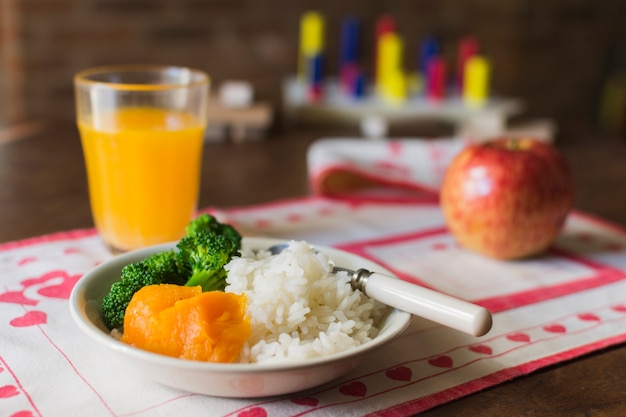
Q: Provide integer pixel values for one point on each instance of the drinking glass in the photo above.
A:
(142, 131)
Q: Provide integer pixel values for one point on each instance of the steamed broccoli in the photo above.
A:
(159, 268)
(199, 259)
(206, 223)
(202, 258)
(206, 248)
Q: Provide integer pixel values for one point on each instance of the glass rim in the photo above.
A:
(82, 77)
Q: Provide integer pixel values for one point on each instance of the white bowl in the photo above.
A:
(219, 379)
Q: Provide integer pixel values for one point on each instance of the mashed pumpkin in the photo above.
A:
(186, 323)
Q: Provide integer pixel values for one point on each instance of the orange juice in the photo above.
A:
(143, 167)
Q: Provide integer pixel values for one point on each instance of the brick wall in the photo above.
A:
(554, 54)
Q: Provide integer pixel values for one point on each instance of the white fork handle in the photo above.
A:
(432, 305)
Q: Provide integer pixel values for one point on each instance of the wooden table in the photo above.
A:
(43, 190)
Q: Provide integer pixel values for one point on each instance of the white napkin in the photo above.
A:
(341, 166)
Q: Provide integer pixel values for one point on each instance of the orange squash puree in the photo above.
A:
(187, 323)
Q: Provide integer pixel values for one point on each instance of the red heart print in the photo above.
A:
(26, 260)
(263, 223)
(16, 297)
(253, 412)
(401, 373)
(555, 328)
(308, 401)
(588, 317)
(8, 391)
(484, 349)
(395, 148)
(619, 308)
(31, 318)
(294, 218)
(61, 290)
(325, 211)
(24, 413)
(441, 362)
(518, 337)
(354, 389)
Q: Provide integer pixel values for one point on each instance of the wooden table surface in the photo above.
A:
(43, 190)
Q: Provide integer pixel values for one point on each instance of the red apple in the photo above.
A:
(507, 198)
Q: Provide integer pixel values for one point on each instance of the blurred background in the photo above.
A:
(565, 59)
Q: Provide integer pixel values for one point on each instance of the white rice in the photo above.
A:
(298, 308)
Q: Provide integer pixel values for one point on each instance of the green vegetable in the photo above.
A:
(202, 258)
(199, 259)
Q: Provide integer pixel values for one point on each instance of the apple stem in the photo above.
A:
(515, 144)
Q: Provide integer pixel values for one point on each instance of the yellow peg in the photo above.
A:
(395, 88)
(476, 84)
(311, 40)
(390, 49)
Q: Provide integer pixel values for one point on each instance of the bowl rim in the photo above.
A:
(78, 309)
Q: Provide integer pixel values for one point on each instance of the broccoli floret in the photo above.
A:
(202, 223)
(203, 252)
(158, 268)
(202, 256)
(207, 223)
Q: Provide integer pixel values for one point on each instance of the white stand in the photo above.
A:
(337, 108)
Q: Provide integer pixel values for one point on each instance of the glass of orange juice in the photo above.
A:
(142, 131)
